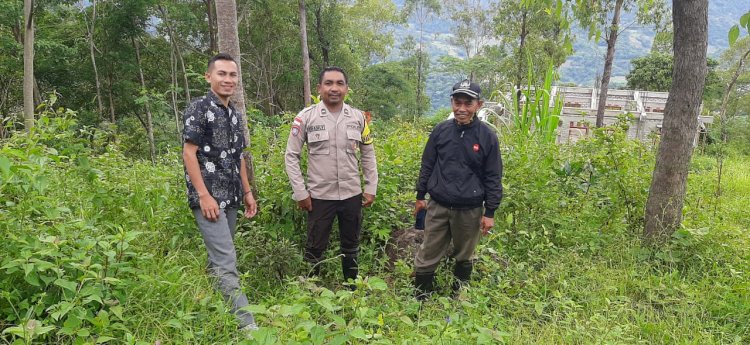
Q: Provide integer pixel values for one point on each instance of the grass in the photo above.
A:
(556, 270)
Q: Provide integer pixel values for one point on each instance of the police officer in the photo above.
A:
(337, 137)
(461, 171)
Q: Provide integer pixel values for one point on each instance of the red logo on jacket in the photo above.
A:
(476, 147)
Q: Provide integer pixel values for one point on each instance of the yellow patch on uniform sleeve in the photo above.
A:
(366, 135)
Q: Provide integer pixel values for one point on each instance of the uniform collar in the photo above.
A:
(346, 109)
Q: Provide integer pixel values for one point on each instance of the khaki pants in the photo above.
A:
(442, 225)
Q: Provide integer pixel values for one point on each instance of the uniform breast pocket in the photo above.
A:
(318, 143)
(354, 138)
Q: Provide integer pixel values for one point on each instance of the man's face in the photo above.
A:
(332, 89)
(464, 108)
(223, 77)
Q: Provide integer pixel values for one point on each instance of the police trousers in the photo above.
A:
(320, 222)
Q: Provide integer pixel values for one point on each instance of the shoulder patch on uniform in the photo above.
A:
(366, 135)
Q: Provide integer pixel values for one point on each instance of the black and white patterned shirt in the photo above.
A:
(218, 133)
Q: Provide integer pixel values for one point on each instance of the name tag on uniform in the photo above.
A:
(316, 128)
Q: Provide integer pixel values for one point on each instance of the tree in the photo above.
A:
(735, 71)
(653, 72)
(387, 91)
(473, 27)
(229, 43)
(305, 52)
(594, 15)
(669, 182)
(149, 123)
(92, 51)
(422, 10)
(28, 64)
(532, 30)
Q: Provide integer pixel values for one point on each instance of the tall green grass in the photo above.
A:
(99, 247)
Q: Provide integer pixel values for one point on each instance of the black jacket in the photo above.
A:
(461, 167)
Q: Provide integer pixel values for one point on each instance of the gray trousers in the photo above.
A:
(222, 260)
(442, 225)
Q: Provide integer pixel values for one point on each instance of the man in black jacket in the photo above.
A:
(461, 171)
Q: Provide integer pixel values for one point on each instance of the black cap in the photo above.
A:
(468, 88)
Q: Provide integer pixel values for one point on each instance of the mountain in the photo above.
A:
(586, 63)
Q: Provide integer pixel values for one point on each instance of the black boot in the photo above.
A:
(462, 273)
(350, 268)
(424, 285)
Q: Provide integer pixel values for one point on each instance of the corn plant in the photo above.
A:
(538, 113)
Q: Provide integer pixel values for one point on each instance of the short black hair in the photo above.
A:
(220, 56)
(334, 69)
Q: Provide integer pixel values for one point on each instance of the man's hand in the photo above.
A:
(251, 207)
(419, 205)
(487, 224)
(305, 204)
(209, 207)
(367, 200)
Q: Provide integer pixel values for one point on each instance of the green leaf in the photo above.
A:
(539, 308)
(317, 335)
(5, 166)
(290, 310)
(358, 333)
(405, 319)
(104, 339)
(84, 332)
(117, 310)
(341, 339)
(15, 330)
(377, 284)
(32, 278)
(734, 33)
(66, 284)
(745, 20)
(326, 304)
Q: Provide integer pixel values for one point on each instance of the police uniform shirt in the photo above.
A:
(335, 147)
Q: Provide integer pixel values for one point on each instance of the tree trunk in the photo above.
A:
(324, 45)
(149, 118)
(521, 58)
(229, 42)
(608, 60)
(419, 67)
(112, 117)
(92, 53)
(173, 93)
(28, 65)
(213, 45)
(667, 192)
(305, 52)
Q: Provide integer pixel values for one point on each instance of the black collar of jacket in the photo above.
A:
(460, 127)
